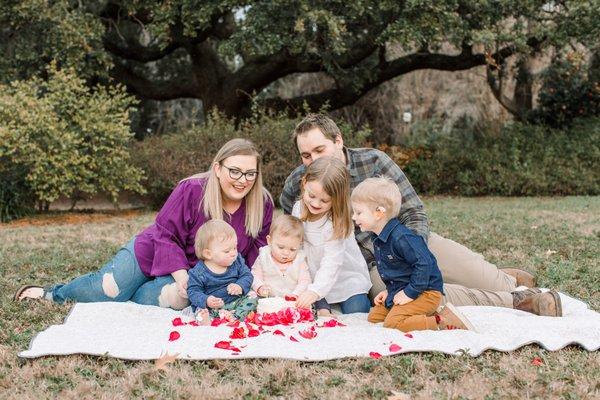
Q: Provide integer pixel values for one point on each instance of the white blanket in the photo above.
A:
(135, 332)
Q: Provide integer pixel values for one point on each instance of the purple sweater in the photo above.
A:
(168, 244)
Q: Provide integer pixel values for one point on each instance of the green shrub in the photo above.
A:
(522, 160)
(15, 197)
(169, 158)
(68, 139)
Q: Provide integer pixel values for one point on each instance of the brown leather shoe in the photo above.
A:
(523, 278)
(451, 318)
(520, 295)
(546, 304)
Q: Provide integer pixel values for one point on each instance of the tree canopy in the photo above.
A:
(228, 52)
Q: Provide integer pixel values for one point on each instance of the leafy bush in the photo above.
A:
(67, 139)
(169, 158)
(522, 160)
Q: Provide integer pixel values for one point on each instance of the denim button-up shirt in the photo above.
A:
(404, 262)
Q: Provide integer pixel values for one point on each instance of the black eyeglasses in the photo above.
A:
(236, 174)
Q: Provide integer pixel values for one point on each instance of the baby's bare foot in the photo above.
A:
(203, 317)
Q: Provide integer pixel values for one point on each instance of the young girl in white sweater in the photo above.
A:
(339, 271)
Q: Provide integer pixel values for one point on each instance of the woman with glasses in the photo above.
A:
(152, 267)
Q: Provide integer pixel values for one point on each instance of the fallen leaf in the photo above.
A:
(174, 336)
(164, 359)
(375, 355)
(395, 348)
(550, 252)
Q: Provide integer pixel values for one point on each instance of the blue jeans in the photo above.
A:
(359, 303)
(120, 279)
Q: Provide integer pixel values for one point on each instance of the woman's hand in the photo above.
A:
(181, 282)
(234, 289)
(306, 299)
(380, 298)
(214, 302)
(401, 298)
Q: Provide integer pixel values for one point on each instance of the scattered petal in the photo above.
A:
(238, 333)
(375, 355)
(290, 298)
(174, 336)
(253, 332)
(217, 322)
(308, 333)
(537, 361)
(293, 339)
(233, 348)
(332, 323)
(234, 324)
(223, 344)
(278, 332)
(408, 335)
(193, 323)
(394, 348)
(178, 322)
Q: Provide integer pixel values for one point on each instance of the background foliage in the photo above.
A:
(60, 138)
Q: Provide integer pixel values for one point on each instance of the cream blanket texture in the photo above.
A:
(135, 332)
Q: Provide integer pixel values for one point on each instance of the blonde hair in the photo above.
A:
(379, 192)
(212, 203)
(209, 231)
(287, 225)
(332, 174)
(328, 128)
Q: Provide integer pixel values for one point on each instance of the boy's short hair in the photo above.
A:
(209, 231)
(287, 225)
(379, 192)
(325, 124)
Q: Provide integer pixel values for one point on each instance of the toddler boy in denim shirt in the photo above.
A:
(413, 281)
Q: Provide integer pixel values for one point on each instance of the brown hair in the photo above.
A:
(209, 231)
(379, 192)
(332, 174)
(328, 128)
(212, 203)
(287, 225)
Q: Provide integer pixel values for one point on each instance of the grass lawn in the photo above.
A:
(557, 238)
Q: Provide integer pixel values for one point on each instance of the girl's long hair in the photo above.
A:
(332, 174)
(212, 203)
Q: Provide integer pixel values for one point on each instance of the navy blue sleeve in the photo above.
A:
(414, 250)
(245, 277)
(196, 288)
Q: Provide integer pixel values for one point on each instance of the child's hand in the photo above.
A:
(182, 288)
(306, 299)
(380, 298)
(264, 291)
(234, 289)
(214, 302)
(401, 298)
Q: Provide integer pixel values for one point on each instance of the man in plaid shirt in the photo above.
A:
(469, 278)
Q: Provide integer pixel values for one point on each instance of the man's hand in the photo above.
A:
(264, 291)
(234, 289)
(401, 298)
(306, 299)
(380, 298)
(214, 302)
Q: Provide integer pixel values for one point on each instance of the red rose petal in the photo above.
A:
(537, 361)
(233, 348)
(308, 333)
(290, 298)
(217, 322)
(174, 336)
(395, 348)
(408, 335)
(253, 332)
(223, 344)
(375, 355)
(193, 323)
(234, 324)
(278, 332)
(293, 339)
(238, 333)
(178, 322)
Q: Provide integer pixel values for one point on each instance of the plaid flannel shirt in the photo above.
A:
(366, 163)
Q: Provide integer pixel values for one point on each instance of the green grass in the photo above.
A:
(556, 238)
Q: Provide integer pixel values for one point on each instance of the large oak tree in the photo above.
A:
(228, 52)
